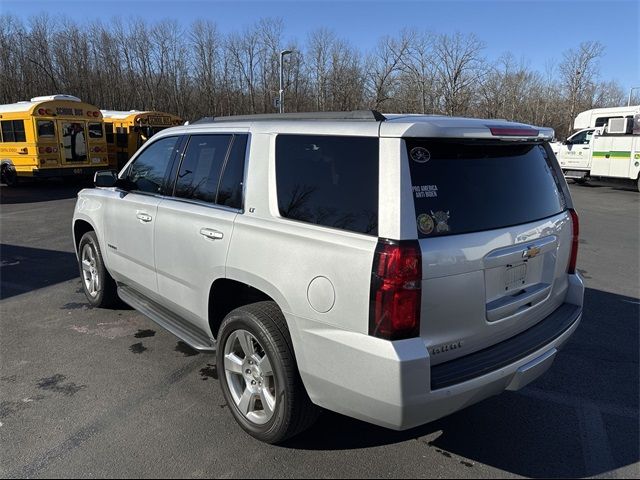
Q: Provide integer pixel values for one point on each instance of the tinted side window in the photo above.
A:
(13, 131)
(579, 138)
(7, 131)
(329, 180)
(148, 171)
(230, 189)
(199, 172)
(18, 128)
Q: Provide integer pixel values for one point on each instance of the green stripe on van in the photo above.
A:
(612, 154)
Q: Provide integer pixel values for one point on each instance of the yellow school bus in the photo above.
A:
(127, 131)
(51, 136)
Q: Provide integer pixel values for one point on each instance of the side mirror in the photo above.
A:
(566, 142)
(105, 178)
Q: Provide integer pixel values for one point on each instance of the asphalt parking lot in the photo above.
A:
(105, 393)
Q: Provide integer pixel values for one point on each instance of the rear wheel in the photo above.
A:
(9, 175)
(99, 287)
(259, 376)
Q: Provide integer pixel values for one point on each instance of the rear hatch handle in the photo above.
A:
(520, 252)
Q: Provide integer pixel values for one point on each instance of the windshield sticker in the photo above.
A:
(425, 224)
(420, 154)
(425, 191)
(441, 219)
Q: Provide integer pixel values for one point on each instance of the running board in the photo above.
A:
(182, 329)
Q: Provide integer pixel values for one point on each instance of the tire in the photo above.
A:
(9, 175)
(103, 294)
(638, 184)
(580, 181)
(269, 338)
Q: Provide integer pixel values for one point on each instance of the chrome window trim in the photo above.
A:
(191, 201)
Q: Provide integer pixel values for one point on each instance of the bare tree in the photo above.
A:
(198, 71)
(384, 65)
(579, 71)
(460, 68)
(419, 71)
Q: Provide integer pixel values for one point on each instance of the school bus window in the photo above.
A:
(108, 127)
(122, 139)
(46, 129)
(13, 131)
(95, 130)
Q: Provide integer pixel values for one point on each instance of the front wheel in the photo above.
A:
(259, 376)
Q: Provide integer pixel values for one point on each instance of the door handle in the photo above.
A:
(212, 234)
(145, 217)
(586, 148)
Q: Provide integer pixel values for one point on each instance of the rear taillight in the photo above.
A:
(574, 241)
(396, 290)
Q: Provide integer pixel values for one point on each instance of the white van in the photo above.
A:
(603, 134)
(616, 150)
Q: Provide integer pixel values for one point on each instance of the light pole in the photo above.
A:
(281, 93)
(630, 92)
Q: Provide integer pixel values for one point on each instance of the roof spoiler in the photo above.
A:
(355, 115)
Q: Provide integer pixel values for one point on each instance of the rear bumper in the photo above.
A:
(393, 384)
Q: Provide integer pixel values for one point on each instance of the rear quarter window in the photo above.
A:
(329, 180)
(466, 186)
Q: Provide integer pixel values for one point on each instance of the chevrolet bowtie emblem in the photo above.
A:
(531, 252)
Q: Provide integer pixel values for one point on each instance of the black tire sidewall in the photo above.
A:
(90, 238)
(9, 175)
(274, 429)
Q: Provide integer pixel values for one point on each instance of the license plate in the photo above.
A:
(96, 160)
(77, 170)
(514, 277)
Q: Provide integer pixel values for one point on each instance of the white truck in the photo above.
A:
(606, 145)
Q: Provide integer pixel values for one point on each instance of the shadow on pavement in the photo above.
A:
(579, 419)
(24, 269)
(42, 191)
(619, 186)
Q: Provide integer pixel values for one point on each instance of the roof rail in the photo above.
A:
(355, 115)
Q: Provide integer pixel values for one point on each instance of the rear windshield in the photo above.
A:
(461, 187)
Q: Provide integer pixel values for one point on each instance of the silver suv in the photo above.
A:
(392, 268)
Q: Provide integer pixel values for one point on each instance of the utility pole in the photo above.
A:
(630, 92)
(281, 92)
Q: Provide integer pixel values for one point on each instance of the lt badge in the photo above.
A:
(441, 219)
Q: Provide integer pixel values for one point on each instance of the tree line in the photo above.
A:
(197, 70)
